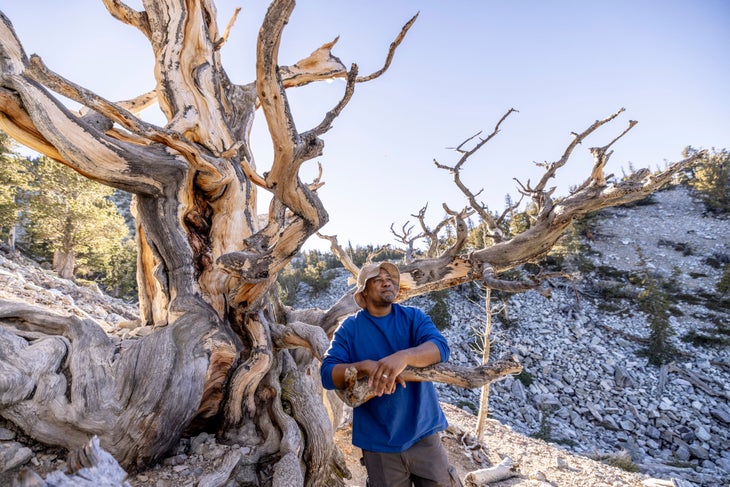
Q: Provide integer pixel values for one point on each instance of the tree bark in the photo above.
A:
(486, 343)
(223, 355)
(64, 263)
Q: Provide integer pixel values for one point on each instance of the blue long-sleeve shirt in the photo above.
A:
(392, 422)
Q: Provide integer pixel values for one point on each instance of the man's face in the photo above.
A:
(380, 290)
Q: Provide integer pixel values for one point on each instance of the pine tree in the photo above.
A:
(72, 218)
(13, 180)
(711, 179)
(655, 302)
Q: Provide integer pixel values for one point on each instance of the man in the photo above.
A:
(398, 428)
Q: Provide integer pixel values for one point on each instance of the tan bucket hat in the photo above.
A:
(369, 271)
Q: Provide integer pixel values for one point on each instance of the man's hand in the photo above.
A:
(386, 373)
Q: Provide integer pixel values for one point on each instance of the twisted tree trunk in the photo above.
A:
(223, 355)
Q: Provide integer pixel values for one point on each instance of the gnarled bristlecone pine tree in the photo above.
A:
(224, 354)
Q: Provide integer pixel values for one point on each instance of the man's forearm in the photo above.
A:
(423, 355)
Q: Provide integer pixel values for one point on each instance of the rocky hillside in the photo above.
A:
(586, 385)
(587, 391)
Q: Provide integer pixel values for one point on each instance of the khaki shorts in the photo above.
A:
(425, 464)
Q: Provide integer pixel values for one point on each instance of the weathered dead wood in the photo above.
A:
(357, 391)
(529, 282)
(487, 476)
(300, 390)
(89, 465)
(406, 238)
(695, 379)
(298, 334)
(492, 225)
(222, 475)
(113, 394)
(340, 253)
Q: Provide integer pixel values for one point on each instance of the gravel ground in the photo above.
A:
(535, 462)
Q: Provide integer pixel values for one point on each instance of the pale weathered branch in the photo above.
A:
(270, 91)
(340, 253)
(373, 256)
(407, 239)
(17, 123)
(431, 234)
(487, 476)
(298, 334)
(532, 281)
(492, 226)
(542, 197)
(426, 275)
(138, 103)
(129, 16)
(47, 126)
(42, 74)
(552, 168)
(537, 240)
(310, 136)
(318, 66)
(317, 181)
(357, 391)
(508, 211)
(462, 230)
(134, 106)
(391, 52)
(601, 156)
(289, 148)
(405, 235)
(227, 31)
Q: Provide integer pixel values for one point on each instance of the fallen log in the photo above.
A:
(487, 476)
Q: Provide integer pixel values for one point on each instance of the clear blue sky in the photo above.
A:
(562, 64)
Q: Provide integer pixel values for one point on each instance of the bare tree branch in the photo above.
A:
(42, 74)
(462, 230)
(340, 253)
(357, 392)
(129, 16)
(533, 281)
(391, 52)
(481, 210)
(227, 31)
(319, 65)
(407, 239)
(552, 168)
(326, 124)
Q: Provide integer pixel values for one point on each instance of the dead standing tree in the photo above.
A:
(224, 354)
